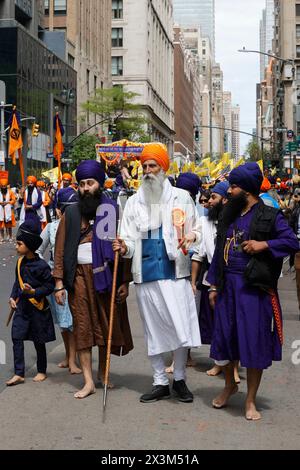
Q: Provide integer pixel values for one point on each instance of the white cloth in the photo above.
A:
(34, 200)
(207, 243)
(48, 236)
(5, 212)
(85, 254)
(136, 222)
(160, 377)
(169, 315)
(43, 217)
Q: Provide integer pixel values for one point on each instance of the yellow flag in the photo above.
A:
(206, 162)
(225, 159)
(239, 163)
(261, 165)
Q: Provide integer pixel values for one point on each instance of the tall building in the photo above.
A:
(79, 31)
(34, 77)
(143, 60)
(227, 110)
(199, 13)
(217, 111)
(267, 25)
(236, 135)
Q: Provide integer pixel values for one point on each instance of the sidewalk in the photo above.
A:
(46, 416)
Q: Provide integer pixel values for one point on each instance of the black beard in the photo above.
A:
(4, 191)
(232, 210)
(214, 212)
(89, 203)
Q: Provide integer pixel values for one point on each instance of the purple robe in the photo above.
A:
(206, 317)
(31, 214)
(244, 320)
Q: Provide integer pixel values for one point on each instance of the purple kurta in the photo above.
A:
(244, 320)
(206, 317)
(31, 214)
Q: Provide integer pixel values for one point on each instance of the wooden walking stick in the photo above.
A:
(110, 330)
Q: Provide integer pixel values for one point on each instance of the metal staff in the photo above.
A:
(110, 331)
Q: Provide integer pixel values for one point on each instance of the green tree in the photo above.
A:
(255, 152)
(119, 106)
(83, 149)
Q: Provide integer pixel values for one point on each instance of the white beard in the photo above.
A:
(153, 187)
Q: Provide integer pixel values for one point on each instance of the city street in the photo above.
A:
(46, 416)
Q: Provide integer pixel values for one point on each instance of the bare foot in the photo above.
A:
(74, 370)
(64, 364)
(216, 370)
(170, 369)
(236, 376)
(86, 391)
(251, 412)
(15, 380)
(100, 377)
(190, 362)
(222, 400)
(40, 378)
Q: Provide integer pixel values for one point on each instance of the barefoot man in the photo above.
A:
(83, 265)
(252, 241)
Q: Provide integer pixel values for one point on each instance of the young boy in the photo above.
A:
(32, 319)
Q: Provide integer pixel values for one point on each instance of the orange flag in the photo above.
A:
(58, 146)
(15, 138)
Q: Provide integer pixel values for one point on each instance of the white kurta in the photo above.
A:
(169, 315)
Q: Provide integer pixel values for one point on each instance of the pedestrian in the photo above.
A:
(252, 241)
(61, 313)
(7, 215)
(159, 225)
(83, 266)
(31, 201)
(46, 201)
(32, 320)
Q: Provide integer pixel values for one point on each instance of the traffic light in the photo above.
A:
(35, 130)
(110, 129)
(197, 135)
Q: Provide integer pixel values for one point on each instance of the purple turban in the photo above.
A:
(90, 169)
(190, 182)
(247, 177)
(66, 197)
(221, 189)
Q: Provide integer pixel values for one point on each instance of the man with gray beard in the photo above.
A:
(159, 225)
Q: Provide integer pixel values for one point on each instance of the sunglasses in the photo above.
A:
(203, 201)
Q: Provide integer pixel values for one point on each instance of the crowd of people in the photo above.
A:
(205, 261)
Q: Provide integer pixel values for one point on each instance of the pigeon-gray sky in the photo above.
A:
(237, 25)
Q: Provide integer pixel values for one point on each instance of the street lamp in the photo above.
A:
(69, 96)
(273, 56)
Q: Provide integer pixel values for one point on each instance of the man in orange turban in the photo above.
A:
(46, 203)
(7, 216)
(67, 180)
(31, 202)
(266, 196)
(159, 225)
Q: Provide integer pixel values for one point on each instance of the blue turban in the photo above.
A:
(66, 197)
(29, 234)
(221, 189)
(90, 169)
(190, 182)
(247, 177)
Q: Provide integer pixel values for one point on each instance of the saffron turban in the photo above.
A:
(247, 177)
(3, 182)
(266, 185)
(29, 234)
(90, 169)
(158, 153)
(41, 184)
(67, 176)
(31, 180)
(109, 183)
(221, 189)
(190, 182)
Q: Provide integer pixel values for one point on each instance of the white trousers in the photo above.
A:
(222, 363)
(160, 377)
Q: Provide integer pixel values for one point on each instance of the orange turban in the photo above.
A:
(3, 182)
(266, 185)
(158, 153)
(109, 184)
(41, 184)
(67, 176)
(31, 179)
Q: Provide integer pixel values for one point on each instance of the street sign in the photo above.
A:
(50, 155)
(282, 130)
(290, 134)
(66, 160)
(2, 157)
(291, 147)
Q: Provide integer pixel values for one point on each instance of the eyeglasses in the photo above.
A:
(203, 201)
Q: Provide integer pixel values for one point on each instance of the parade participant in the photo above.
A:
(7, 216)
(83, 266)
(67, 179)
(61, 314)
(251, 243)
(266, 196)
(161, 269)
(190, 182)
(32, 319)
(201, 261)
(203, 203)
(31, 200)
(45, 205)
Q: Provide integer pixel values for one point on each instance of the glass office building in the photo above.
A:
(197, 13)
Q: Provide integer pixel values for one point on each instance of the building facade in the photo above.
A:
(235, 135)
(267, 25)
(197, 13)
(80, 32)
(34, 78)
(217, 111)
(143, 61)
(227, 110)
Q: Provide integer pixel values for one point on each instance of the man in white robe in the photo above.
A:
(159, 225)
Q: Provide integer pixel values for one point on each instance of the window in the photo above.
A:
(297, 9)
(117, 9)
(117, 37)
(117, 66)
(71, 61)
(298, 73)
(298, 52)
(46, 5)
(60, 7)
(298, 31)
(88, 81)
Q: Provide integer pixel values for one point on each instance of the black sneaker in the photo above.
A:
(183, 393)
(159, 392)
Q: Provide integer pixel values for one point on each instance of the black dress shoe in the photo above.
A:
(183, 393)
(159, 392)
